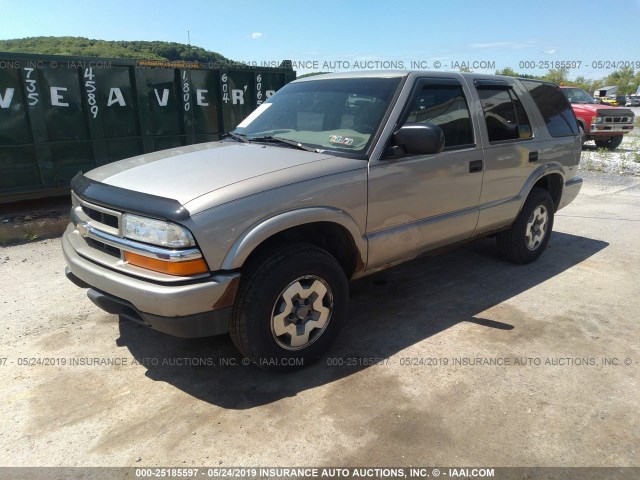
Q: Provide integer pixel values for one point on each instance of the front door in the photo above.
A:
(420, 202)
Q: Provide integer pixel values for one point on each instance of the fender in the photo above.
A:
(537, 174)
(266, 228)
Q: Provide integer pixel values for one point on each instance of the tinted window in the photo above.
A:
(504, 114)
(445, 106)
(554, 107)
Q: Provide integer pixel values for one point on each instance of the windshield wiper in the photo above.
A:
(285, 141)
(236, 136)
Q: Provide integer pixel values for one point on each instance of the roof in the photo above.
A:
(398, 74)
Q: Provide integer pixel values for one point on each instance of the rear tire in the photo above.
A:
(611, 143)
(527, 238)
(291, 304)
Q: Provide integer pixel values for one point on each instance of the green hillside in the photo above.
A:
(86, 47)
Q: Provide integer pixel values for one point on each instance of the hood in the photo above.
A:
(589, 107)
(191, 171)
(623, 115)
(592, 107)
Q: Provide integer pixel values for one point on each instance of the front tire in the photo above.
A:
(610, 143)
(583, 134)
(527, 238)
(290, 307)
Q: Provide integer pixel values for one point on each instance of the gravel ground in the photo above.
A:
(570, 320)
(624, 160)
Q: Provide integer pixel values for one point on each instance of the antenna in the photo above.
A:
(189, 45)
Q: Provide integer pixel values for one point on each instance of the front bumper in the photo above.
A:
(609, 129)
(187, 309)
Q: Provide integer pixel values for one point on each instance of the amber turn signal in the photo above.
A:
(188, 267)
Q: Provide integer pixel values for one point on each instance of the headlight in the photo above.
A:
(156, 232)
(598, 119)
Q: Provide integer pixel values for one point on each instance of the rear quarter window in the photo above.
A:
(554, 107)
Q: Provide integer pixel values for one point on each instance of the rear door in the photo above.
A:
(512, 148)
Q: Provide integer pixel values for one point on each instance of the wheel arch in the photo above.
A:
(549, 177)
(583, 124)
(328, 228)
(553, 183)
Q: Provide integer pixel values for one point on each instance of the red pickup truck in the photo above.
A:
(603, 124)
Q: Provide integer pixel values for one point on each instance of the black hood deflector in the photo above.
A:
(128, 200)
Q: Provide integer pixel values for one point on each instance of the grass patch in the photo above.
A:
(591, 166)
(623, 163)
(588, 164)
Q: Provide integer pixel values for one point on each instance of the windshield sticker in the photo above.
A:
(255, 114)
(340, 140)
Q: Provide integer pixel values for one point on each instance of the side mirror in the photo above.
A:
(418, 139)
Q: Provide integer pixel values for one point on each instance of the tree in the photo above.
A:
(625, 79)
(557, 76)
(507, 71)
(584, 83)
(510, 72)
(87, 47)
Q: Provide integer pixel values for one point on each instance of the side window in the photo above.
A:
(445, 106)
(554, 107)
(504, 114)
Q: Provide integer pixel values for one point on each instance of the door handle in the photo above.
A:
(533, 156)
(475, 166)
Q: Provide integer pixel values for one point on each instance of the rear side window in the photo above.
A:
(504, 114)
(444, 105)
(554, 107)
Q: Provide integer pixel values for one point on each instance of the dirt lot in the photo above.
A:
(481, 363)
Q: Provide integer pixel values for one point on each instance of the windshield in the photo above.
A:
(577, 95)
(338, 114)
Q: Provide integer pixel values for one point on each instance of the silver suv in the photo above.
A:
(333, 178)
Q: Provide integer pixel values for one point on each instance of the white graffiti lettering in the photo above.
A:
(165, 97)
(200, 100)
(32, 96)
(5, 101)
(115, 96)
(56, 98)
(238, 96)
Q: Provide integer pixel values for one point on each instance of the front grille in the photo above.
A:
(108, 249)
(617, 120)
(104, 218)
(616, 115)
(92, 221)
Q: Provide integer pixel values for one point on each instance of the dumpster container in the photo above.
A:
(60, 115)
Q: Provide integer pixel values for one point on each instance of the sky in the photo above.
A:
(595, 36)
